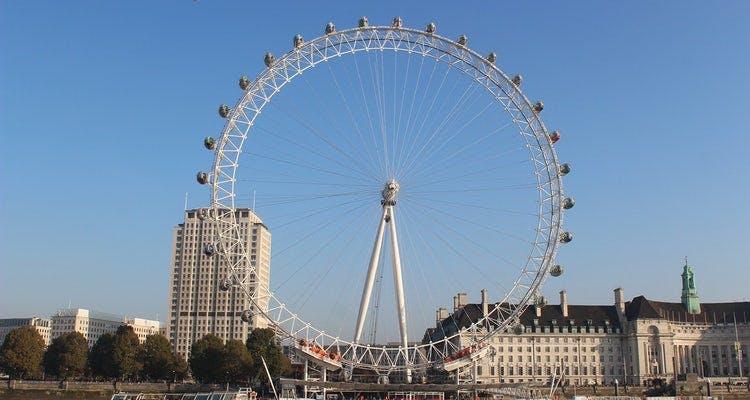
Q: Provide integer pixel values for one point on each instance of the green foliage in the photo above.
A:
(211, 361)
(179, 368)
(125, 353)
(206, 356)
(67, 356)
(262, 343)
(22, 352)
(159, 363)
(100, 358)
(236, 362)
(120, 356)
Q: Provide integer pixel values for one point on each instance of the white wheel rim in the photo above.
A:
(414, 42)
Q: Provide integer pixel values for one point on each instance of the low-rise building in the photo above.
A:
(631, 342)
(94, 324)
(42, 326)
(144, 327)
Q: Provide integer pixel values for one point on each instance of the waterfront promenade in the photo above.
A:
(37, 390)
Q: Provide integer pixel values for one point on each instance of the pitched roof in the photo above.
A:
(711, 313)
(578, 315)
(640, 308)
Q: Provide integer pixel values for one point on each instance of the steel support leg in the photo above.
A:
(371, 272)
(398, 283)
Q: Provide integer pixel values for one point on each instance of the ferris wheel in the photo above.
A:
(395, 168)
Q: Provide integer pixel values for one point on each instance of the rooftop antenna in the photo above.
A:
(186, 195)
(253, 208)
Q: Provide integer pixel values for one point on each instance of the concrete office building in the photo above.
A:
(42, 325)
(93, 324)
(197, 305)
(631, 342)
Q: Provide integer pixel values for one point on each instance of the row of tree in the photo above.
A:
(117, 356)
(213, 361)
(120, 356)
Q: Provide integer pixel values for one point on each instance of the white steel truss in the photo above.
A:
(484, 73)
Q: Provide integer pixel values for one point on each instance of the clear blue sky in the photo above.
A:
(103, 106)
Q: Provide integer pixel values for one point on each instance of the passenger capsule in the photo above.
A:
(492, 57)
(430, 28)
(330, 28)
(208, 250)
(247, 316)
(538, 107)
(556, 270)
(225, 284)
(540, 301)
(517, 80)
(566, 237)
(244, 83)
(209, 143)
(568, 203)
(224, 110)
(269, 59)
(363, 22)
(554, 136)
(298, 41)
(518, 328)
(202, 213)
(202, 178)
(564, 169)
(397, 22)
(462, 40)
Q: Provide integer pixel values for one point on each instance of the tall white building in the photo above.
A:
(197, 305)
(42, 325)
(93, 324)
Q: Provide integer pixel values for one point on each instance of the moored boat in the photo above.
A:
(241, 394)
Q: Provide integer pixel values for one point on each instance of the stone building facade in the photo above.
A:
(630, 342)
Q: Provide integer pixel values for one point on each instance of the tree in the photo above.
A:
(157, 358)
(237, 362)
(206, 357)
(262, 343)
(179, 368)
(125, 353)
(67, 356)
(100, 358)
(22, 352)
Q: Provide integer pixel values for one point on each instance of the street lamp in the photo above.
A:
(617, 388)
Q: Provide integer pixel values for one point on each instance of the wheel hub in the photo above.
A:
(389, 193)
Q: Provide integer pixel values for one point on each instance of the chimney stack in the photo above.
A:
(564, 303)
(441, 314)
(455, 303)
(620, 303)
(485, 306)
(538, 309)
(461, 299)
